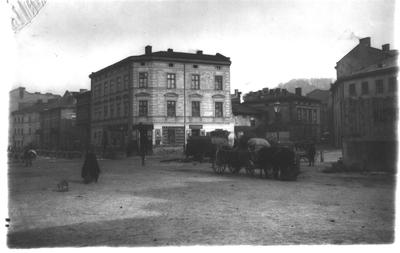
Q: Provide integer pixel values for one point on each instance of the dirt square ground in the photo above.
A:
(172, 203)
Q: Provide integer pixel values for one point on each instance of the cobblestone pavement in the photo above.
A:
(172, 203)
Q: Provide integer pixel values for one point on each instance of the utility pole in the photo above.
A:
(184, 107)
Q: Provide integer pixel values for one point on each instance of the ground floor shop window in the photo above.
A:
(173, 135)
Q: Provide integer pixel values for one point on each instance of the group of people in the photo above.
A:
(25, 155)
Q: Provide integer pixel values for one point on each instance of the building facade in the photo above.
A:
(365, 106)
(20, 99)
(298, 118)
(26, 126)
(326, 121)
(58, 130)
(248, 120)
(83, 117)
(171, 94)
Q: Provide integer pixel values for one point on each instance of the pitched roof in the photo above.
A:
(244, 110)
(189, 56)
(173, 56)
(322, 95)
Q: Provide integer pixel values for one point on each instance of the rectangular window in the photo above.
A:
(195, 108)
(171, 81)
(364, 88)
(392, 84)
(111, 110)
(195, 82)
(143, 79)
(309, 115)
(105, 88)
(118, 109)
(379, 86)
(105, 109)
(119, 87)
(314, 116)
(112, 86)
(126, 108)
(299, 114)
(99, 90)
(126, 81)
(352, 89)
(171, 108)
(218, 82)
(171, 135)
(219, 110)
(143, 108)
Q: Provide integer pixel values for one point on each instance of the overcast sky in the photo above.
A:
(268, 41)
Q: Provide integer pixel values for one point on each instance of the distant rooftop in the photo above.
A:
(271, 95)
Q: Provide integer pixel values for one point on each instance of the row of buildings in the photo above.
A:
(45, 121)
(174, 95)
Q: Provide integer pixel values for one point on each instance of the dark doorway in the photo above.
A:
(195, 132)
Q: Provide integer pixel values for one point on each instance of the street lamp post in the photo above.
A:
(277, 108)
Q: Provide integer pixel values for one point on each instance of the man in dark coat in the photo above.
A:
(311, 154)
(90, 169)
(143, 146)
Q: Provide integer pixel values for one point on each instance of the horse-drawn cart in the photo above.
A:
(274, 162)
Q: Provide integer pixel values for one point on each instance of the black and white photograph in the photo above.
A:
(172, 123)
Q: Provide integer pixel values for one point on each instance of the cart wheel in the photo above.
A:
(233, 170)
(219, 168)
(214, 167)
(250, 168)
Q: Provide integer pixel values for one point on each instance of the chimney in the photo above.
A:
(199, 52)
(170, 50)
(236, 97)
(366, 41)
(277, 91)
(298, 91)
(271, 91)
(386, 47)
(284, 92)
(148, 49)
(265, 91)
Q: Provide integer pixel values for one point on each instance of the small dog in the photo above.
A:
(62, 186)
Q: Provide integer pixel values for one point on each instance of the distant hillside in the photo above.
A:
(307, 85)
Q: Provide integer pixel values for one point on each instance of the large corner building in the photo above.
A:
(171, 94)
(365, 106)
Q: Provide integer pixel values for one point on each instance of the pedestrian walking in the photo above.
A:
(28, 156)
(90, 169)
(142, 146)
(311, 154)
